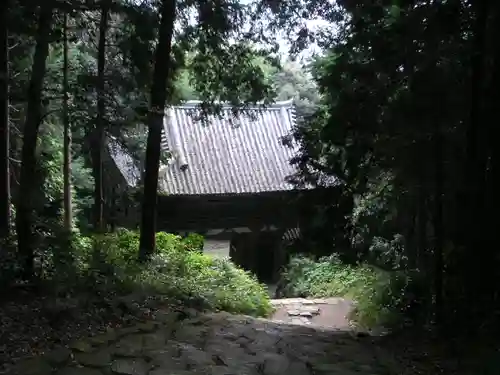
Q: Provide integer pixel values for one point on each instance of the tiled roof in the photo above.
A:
(227, 154)
(125, 163)
(224, 154)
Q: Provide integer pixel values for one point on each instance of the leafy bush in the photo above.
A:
(388, 254)
(174, 272)
(194, 242)
(382, 298)
(10, 266)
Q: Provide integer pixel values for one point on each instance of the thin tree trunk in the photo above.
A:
(421, 227)
(474, 171)
(411, 246)
(68, 210)
(471, 228)
(31, 126)
(97, 137)
(4, 124)
(489, 191)
(161, 78)
(112, 210)
(438, 225)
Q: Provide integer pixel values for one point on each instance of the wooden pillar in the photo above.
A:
(243, 247)
(252, 249)
(279, 254)
(238, 249)
(259, 252)
(266, 248)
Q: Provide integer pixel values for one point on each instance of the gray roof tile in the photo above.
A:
(228, 155)
(223, 155)
(124, 161)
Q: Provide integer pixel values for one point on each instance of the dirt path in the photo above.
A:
(224, 344)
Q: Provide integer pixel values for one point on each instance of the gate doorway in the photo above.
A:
(256, 252)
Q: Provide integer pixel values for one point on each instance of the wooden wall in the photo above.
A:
(200, 213)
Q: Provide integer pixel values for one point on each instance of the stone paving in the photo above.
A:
(326, 313)
(220, 344)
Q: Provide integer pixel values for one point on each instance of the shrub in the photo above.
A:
(382, 297)
(174, 272)
(194, 242)
(10, 266)
(388, 254)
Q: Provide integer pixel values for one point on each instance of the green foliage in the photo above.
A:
(10, 266)
(389, 254)
(374, 210)
(174, 272)
(381, 298)
(293, 81)
(396, 148)
(193, 242)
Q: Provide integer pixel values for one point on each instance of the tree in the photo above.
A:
(408, 143)
(4, 123)
(30, 133)
(98, 134)
(161, 76)
(293, 81)
(68, 209)
(213, 52)
(222, 66)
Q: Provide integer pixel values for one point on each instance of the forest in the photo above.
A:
(397, 108)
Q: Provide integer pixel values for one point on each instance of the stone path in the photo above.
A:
(326, 313)
(218, 344)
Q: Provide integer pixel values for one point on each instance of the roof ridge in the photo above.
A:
(278, 104)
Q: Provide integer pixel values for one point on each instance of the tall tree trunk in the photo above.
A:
(411, 246)
(30, 135)
(421, 226)
(491, 185)
(473, 218)
(4, 123)
(97, 137)
(474, 170)
(438, 224)
(161, 78)
(68, 210)
(423, 263)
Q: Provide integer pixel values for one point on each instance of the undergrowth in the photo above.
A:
(178, 272)
(382, 298)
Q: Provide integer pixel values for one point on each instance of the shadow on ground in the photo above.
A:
(216, 343)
